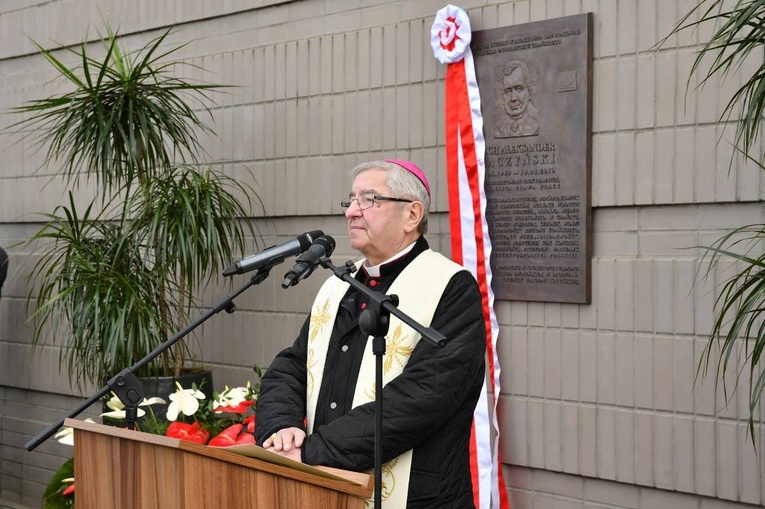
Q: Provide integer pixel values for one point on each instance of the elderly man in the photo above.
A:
(518, 116)
(317, 398)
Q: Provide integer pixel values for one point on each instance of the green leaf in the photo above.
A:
(52, 498)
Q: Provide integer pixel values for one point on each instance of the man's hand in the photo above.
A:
(286, 442)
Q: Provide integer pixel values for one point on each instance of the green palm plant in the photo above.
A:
(738, 37)
(122, 274)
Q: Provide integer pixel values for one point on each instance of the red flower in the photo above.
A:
(238, 409)
(69, 490)
(250, 422)
(192, 432)
(245, 438)
(231, 436)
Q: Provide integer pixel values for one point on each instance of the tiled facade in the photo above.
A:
(599, 407)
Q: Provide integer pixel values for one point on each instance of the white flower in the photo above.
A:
(66, 435)
(118, 408)
(232, 397)
(185, 401)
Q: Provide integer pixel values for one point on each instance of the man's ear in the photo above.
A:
(416, 213)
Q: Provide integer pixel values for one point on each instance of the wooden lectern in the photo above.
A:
(123, 469)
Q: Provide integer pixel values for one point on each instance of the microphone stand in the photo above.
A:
(374, 321)
(125, 385)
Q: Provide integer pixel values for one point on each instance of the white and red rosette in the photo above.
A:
(450, 34)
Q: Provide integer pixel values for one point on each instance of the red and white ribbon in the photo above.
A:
(471, 246)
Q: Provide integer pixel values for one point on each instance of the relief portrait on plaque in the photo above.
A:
(516, 114)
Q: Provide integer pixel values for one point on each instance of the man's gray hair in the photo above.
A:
(529, 78)
(402, 184)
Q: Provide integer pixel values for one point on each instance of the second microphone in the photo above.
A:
(309, 260)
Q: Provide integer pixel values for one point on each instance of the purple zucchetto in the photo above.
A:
(413, 169)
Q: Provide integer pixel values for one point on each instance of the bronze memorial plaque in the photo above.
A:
(535, 82)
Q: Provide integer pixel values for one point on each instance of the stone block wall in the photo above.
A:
(598, 404)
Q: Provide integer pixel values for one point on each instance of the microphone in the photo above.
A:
(273, 255)
(307, 262)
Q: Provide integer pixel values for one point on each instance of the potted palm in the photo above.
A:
(740, 305)
(118, 275)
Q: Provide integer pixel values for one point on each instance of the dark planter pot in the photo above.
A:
(164, 386)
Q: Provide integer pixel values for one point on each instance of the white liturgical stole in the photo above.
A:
(419, 288)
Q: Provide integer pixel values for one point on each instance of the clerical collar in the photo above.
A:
(374, 271)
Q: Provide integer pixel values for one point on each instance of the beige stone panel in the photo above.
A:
(704, 386)
(663, 373)
(624, 445)
(588, 444)
(506, 13)
(552, 364)
(571, 434)
(537, 10)
(484, 18)
(664, 145)
(644, 167)
(663, 296)
(707, 503)
(588, 369)
(607, 25)
(750, 180)
(536, 314)
(536, 359)
(684, 305)
(571, 8)
(644, 449)
(604, 299)
(569, 369)
(624, 174)
(625, 295)
(605, 376)
(644, 379)
(627, 81)
(388, 132)
(553, 435)
(553, 314)
(627, 27)
(604, 95)
(415, 121)
(726, 175)
(519, 310)
(536, 437)
(704, 164)
(659, 499)
(522, 12)
(554, 502)
(727, 473)
(401, 131)
(666, 88)
(515, 428)
(684, 455)
(684, 169)
(624, 372)
(644, 90)
(518, 477)
(750, 480)
(664, 461)
(685, 100)
(518, 362)
(685, 369)
(606, 442)
(704, 89)
(704, 460)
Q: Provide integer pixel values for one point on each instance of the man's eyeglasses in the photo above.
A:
(366, 201)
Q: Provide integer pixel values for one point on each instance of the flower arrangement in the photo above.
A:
(227, 419)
